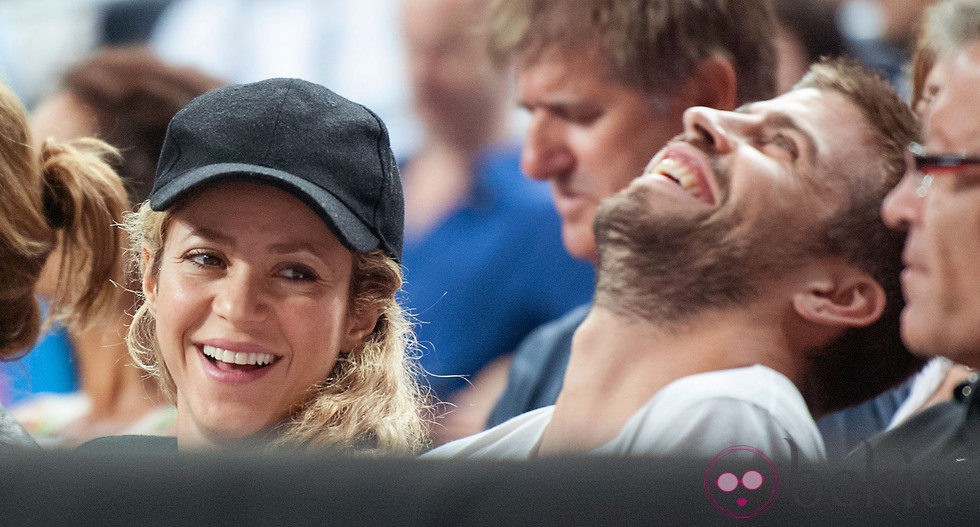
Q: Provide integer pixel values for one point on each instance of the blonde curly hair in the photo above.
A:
(369, 404)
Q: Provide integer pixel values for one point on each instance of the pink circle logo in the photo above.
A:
(741, 482)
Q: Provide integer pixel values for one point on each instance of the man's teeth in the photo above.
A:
(231, 357)
(671, 168)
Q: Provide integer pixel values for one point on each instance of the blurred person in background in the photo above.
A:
(882, 34)
(60, 197)
(484, 263)
(125, 96)
(41, 39)
(805, 32)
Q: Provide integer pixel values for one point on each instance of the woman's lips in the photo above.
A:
(236, 367)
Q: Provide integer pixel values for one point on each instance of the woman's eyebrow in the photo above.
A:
(295, 247)
(211, 234)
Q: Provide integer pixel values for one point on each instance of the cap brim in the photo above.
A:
(348, 228)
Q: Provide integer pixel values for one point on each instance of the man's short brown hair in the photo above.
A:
(646, 44)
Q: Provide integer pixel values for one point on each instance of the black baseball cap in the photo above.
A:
(331, 153)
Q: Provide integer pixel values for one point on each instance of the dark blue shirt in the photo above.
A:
(945, 433)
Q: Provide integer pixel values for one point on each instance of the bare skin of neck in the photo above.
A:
(120, 392)
(618, 363)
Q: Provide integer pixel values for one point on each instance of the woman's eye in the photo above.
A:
(298, 273)
(204, 259)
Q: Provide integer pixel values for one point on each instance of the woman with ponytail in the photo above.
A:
(61, 196)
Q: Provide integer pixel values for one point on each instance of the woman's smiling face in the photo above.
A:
(252, 308)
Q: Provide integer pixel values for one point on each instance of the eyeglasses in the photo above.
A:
(929, 165)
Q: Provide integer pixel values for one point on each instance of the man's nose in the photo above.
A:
(902, 207)
(546, 154)
(714, 127)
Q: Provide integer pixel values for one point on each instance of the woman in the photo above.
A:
(269, 253)
(62, 196)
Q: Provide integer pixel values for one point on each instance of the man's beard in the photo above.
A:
(668, 268)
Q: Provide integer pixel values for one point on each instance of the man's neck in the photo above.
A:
(617, 364)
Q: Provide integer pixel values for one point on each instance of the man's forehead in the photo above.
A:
(552, 69)
(565, 56)
(821, 114)
(796, 104)
(954, 123)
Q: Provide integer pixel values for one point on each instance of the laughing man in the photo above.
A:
(746, 285)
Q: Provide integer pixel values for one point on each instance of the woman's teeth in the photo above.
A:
(232, 357)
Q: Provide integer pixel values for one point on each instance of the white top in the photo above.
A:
(698, 415)
(49, 418)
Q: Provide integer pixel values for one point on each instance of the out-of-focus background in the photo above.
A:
(351, 46)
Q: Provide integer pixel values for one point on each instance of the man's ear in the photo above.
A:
(360, 324)
(849, 298)
(149, 282)
(712, 84)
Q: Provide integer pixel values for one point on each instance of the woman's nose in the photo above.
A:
(239, 297)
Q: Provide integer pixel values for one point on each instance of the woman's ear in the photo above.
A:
(149, 281)
(851, 298)
(360, 324)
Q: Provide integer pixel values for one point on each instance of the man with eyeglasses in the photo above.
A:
(938, 205)
(925, 165)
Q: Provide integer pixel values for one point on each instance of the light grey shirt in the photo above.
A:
(698, 415)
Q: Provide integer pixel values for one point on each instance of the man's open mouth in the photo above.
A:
(689, 178)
